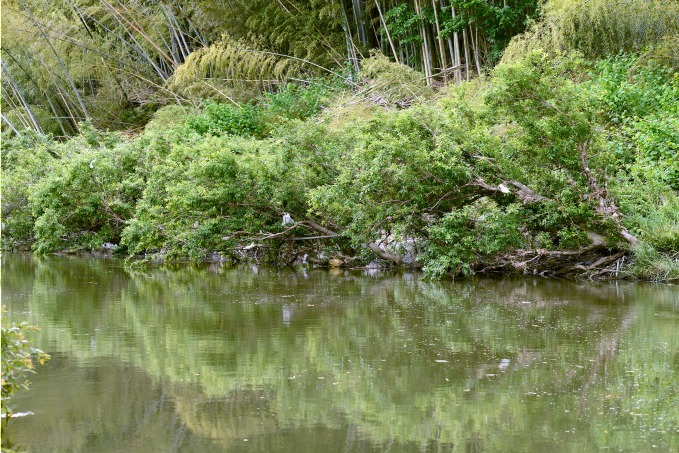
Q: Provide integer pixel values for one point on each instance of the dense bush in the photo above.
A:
(641, 104)
(88, 195)
(296, 102)
(25, 162)
(243, 120)
(552, 157)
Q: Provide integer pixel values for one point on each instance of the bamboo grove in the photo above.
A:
(113, 61)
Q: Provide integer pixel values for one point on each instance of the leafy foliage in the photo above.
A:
(463, 238)
(551, 155)
(642, 106)
(227, 119)
(17, 361)
(26, 160)
(598, 28)
(84, 196)
(498, 21)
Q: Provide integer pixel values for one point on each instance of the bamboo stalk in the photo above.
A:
(138, 28)
(20, 95)
(465, 44)
(456, 44)
(386, 29)
(140, 50)
(351, 53)
(56, 116)
(61, 93)
(176, 41)
(477, 50)
(12, 103)
(56, 54)
(9, 123)
(442, 49)
(425, 49)
(360, 22)
(197, 35)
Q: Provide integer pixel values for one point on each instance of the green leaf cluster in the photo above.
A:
(18, 358)
(226, 119)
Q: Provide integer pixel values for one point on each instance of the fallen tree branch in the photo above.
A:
(383, 253)
(521, 191)
(371, 245)
(606, 206)
(584, 268)
(275, 235)
(319, 228)
(526, 194)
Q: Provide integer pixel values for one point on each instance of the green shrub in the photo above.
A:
(194, 196)
(26, 160)
(88, 196)
(534, 157)
(217, 119)
(465, 237)
(629, 88)
(296, 102)
(640, 102)
(391, 171)
(18, 358)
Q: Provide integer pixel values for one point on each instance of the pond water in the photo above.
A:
(200, 359)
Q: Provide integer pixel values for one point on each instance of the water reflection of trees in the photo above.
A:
(245, 355)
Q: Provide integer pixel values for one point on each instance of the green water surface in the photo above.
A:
(201, 359)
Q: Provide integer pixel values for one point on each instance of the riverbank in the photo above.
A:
(554, 165)
(598, 266)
